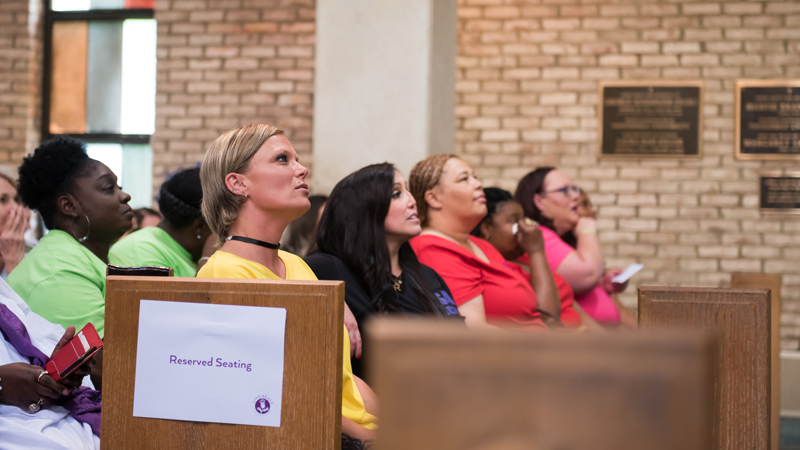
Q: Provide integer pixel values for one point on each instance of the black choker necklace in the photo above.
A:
(254, 241)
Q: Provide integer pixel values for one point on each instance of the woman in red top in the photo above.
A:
(486, 289)
(498, 228)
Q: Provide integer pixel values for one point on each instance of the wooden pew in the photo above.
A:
(444, 387)
(312, 383)
(771, 281)
(741, 321)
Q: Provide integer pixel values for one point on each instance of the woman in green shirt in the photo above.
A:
(63, 279)
(177, 242)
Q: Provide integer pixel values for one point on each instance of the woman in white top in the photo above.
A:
(47, 425)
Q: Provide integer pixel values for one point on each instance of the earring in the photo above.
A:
(199, 237)
(88, 227)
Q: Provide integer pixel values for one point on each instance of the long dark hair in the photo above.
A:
(352, 229)
(530, 185)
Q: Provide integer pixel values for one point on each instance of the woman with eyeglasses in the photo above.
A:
(552, 199)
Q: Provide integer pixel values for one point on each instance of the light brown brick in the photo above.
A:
(742, 7)
(763, 21)
(744, 33)
(701, 8)
(659, 60)
(618, 60)
(618, 10)
(501, 12)
(658, 10)
(700, 60)
(561, 24)
(681, 47)
(640, 47)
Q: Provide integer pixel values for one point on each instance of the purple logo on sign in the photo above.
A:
(262, 405)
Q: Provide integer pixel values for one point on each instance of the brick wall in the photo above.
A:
(225, 63)
(20, 79)
(527, 97)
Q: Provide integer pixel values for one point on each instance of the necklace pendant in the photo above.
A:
(397, 284)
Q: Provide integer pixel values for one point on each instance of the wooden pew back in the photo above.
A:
(771, 281)
(740, 321)
(442, 386)
(312, 383)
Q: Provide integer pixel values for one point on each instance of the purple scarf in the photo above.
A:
(83, 403)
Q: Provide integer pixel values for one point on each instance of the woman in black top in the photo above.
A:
(363, 240)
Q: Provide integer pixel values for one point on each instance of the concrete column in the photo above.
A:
(384, 85)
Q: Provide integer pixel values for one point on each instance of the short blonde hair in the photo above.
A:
(229, 153)
(423, 177)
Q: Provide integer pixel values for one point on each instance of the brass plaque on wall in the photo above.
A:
(767, 119)
(650, 119)
(779, 193)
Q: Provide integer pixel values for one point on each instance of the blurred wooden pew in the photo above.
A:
(771, 281)
(442, 387)
(741, 322)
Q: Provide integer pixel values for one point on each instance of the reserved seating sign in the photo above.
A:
(210, 363)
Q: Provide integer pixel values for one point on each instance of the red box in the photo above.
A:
(76, 353)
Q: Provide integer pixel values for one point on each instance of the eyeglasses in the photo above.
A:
(566, 190)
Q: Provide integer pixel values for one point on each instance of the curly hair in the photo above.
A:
(181, 197)
(49, 172)
(423, 177)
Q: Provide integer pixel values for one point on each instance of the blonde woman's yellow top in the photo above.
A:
(227, 265)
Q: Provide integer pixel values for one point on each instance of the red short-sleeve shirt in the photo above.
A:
(569, 316)
(507, 295)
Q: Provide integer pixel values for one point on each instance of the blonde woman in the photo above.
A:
(253, 187)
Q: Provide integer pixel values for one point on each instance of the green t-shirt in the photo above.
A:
(152, 246)
(62, 281)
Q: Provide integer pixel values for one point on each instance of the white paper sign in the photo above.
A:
(210, 363)
(628, 273)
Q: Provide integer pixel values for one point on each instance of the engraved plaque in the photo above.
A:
(779, 193)
(767, 119)
(650, 119)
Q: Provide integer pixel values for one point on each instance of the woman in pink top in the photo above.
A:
(549, 197)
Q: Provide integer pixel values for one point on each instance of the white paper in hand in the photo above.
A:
(627, 274)
(210, 363)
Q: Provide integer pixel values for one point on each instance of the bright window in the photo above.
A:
(100, 84)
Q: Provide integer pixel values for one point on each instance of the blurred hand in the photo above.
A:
(352, 329)
(529, 236)
(609, 286)
(584, 223)
(12, 236)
